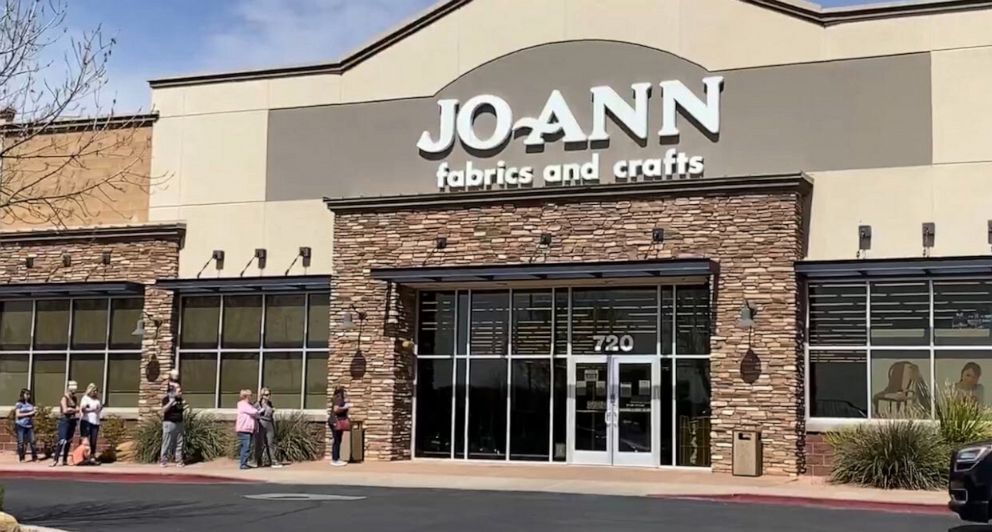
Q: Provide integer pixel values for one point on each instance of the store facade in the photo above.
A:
(550, 232)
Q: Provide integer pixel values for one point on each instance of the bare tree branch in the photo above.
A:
(58, 168)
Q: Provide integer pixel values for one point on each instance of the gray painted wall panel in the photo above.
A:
(864, 113)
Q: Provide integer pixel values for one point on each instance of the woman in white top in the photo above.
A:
(89, 425)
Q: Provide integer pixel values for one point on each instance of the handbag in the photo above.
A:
(343, 424)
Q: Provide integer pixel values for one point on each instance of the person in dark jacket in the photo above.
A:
(265, 434)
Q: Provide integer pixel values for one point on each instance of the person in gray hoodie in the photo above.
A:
(265, 435)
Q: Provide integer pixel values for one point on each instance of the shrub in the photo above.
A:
(907, 454)
(113, 430)
(204, 438)
(296, 439)
(961, 419)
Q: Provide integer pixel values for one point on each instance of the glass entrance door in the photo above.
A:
(614, 410)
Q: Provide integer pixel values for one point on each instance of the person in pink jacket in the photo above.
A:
(245, 425)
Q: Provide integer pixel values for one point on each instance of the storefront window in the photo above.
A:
(882, 367)
(964, 372)
(493, 372)
(487, 409)
(900, 314)
(231, 343)
(489, 323)
(692, 410)
(85, 340)
(530, 395)
(838, 384)
(434, 408)
(628, 315)
(962, 312)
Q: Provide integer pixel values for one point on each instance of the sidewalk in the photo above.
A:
(499, 477)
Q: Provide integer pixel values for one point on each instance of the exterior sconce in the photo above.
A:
(658, 235)
(929, 236)
(105, 258)
(66, 259)
(546, 239)
(218, 257)
(139, 326)
(29, 261)
(990, 232)
(348, 320)
(260, 255)
(748, 314)
(440, 242)
(864, 237)
(306, 253)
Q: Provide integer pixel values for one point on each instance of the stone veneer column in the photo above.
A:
(371, 360)
(755, 236)
(157, 355)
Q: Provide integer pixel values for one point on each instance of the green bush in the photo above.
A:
(896, 454)
(113, 430)
(961, 419)
(296, 439)
(204, 439)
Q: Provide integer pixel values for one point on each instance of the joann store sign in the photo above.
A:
(557, 123)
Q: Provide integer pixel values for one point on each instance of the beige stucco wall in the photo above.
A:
(895, 202)
(211, 138)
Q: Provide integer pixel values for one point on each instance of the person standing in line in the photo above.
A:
(337, 419)
(245, 426)
(89, 425)
(24, 412)
(68, 413)
(172, 427)
(265, 436)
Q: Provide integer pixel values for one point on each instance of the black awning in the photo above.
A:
(71, 289)
(534, 272)
(895, 267)
(248, 284)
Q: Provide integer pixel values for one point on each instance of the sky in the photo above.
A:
(162, 38)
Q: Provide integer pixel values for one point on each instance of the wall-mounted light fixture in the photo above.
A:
(218, 257)
(29, 262)
(441, 242)
(66, 259)
(864, 237)
(261, 255)
(348, 320)
(658, 235)
(929, 235)
(105, 258)
(139, 326)
(990, 232)
(306, 253)
(546, 239)
(748, 314)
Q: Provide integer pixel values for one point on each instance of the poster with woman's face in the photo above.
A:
(965, 373)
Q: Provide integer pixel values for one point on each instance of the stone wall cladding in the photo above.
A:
(134, 257)
(755, 237)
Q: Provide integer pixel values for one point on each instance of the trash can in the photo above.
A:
(356, 440)
(747, 453)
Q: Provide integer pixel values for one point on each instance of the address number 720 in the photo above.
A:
(613, 343)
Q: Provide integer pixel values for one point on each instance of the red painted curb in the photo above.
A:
(834, 504)
(124, 478)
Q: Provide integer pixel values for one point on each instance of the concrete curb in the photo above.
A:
(134, 478)
(811, 502)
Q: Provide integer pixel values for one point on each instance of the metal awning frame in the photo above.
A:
(547, 272)
(879, 268)
(309, 283)
(81, 289)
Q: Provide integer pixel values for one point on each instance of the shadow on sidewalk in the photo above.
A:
(970, 528)
(93, 514)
